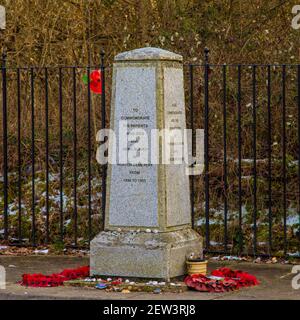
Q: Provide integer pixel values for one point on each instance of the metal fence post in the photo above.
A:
(206, 146)
(5, 165)
(33, 234)
(103, 125)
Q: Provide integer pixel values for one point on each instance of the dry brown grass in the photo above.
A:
(56, 32)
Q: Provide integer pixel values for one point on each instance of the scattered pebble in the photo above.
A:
(192, 255)
(274, 260)
(119, 229)
(232, 258)
(152, 283)
(101, 286)
(148, 230)
(162, 283)
(157, 291)
(45, 251)
(125, 291)
(269, 261)
(215, 258)
(127, 281)
(257, 260)
(155, 231)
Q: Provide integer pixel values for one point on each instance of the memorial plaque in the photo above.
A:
(133, 188)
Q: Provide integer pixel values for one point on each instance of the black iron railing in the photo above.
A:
(246, 200)
(42, 151)
(251, 156)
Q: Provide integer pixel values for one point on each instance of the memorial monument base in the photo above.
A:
(143, 255)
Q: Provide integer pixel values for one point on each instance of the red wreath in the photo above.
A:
(222, 280)
(56, 279)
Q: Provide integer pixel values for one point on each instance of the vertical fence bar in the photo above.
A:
(47, 153)
(269, 161)
(206, 148)
(89, 157)
(284, 155)
(61, 156)
(298, 93)
(191, 73)
(5, 165)
(19, 157)
(254, 160)
(103, 124)
(75, 216)
(33, 156)
(239, 97)
(225, 158)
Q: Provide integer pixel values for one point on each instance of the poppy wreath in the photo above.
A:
(56, 279)
(222, 280)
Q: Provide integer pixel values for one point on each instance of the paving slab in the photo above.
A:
(275, 282)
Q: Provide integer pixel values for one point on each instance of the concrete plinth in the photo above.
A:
(144, 255)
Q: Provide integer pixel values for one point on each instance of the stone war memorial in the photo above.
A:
(143, 173)
(148, 230)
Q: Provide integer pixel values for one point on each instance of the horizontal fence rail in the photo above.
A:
(246, 201)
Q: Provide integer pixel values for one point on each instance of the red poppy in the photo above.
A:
(96, 82)
(117, 281)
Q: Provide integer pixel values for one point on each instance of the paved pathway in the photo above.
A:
(275, 281)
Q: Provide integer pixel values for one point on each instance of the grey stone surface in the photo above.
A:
(177, 182)
(144, 255)
(148, 53)
(133, 188)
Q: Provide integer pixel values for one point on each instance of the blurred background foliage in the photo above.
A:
(51, 32)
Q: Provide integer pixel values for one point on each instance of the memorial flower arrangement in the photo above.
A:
(221, 280)
(56, 279)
